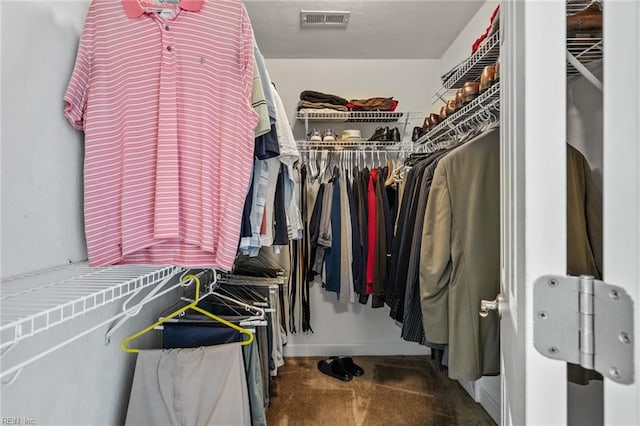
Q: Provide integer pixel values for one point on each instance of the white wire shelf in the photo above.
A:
(362, 145)
(471, 69)
(585, 51)
(35, 302)
(488, 103)
(356, 116)
(575, 6)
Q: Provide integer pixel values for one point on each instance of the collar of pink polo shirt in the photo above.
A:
(134, 8)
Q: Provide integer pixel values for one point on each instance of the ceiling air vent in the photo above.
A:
(323, 19)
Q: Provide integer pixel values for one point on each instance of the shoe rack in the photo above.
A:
(471, 69)
(401, 118)
(581, 52)
(482, 110)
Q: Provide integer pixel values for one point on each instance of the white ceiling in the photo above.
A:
(390, 29)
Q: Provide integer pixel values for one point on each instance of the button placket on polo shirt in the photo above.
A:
(167, 205)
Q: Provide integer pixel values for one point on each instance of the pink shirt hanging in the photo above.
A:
(163, 95)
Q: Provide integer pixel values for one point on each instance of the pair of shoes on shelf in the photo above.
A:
(490, 76)
(385, 134)
(586, 23)
(326, 136)
(417, 133)
(341, 368)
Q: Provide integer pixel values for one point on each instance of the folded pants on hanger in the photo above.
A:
(203, 386)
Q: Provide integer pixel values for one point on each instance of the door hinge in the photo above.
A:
(587, 322)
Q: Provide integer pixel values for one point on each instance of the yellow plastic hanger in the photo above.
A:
(192, 305)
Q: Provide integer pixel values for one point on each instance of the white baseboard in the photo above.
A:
(470, 387)
(489, 402)
(363, 349)
(483, 393)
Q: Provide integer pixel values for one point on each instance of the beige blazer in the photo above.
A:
(460, 257)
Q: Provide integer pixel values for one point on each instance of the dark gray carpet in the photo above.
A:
(394, 391)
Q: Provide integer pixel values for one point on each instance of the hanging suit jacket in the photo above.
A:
(584, 234)
(460, 257)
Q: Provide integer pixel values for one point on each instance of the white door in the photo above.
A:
(534, 388)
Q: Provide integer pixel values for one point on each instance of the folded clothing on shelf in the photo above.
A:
(489, 31)
(321, 106)
(323, 98)
(373, 104)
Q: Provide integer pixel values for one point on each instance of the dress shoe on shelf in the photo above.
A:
(417, 133)
(314, 136)
(434, 119)
(451, 107)
(585, 22)
(426, 125)
(443, 112)
(328, 136)
(487, 78)
(459, 99)
(380, 134)
(394, 135)
(471, 90)
(496, 75)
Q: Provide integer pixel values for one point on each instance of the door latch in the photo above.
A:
(585, 321)
(492, 305)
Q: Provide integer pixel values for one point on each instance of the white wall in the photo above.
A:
(42, 226)
(352, 329)
(410, 81)
(42, 222)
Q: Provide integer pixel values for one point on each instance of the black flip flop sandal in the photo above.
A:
(334, 368)
(351, 367)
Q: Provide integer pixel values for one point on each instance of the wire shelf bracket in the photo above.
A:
(39, 301)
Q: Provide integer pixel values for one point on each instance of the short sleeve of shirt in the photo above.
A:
(75, 98)
(247, 54)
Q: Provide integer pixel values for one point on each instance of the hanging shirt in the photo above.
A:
(163, 95)
(372, 229)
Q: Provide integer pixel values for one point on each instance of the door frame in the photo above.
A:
(533, 205)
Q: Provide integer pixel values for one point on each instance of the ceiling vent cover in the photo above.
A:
(324, 19)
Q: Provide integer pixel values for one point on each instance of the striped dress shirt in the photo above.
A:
(163, 95)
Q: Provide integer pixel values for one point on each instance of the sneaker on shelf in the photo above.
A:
(314, 136)
(328, 136)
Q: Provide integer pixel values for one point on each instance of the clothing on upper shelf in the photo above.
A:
(319, 97)
(162, 186)
(491, 29)
(373, 104)
(321, 106)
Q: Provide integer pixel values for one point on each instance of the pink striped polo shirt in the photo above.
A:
(163, 94)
